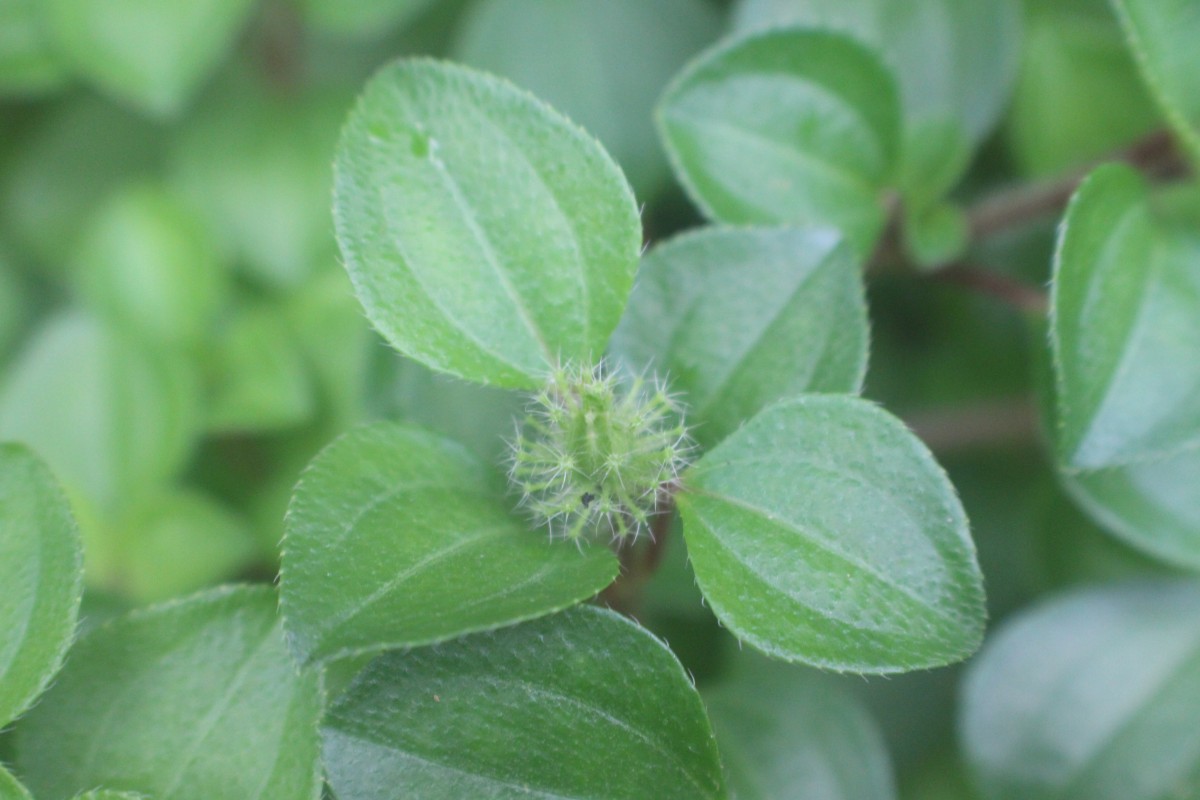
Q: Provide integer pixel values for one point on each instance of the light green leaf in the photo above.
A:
(582, 704)
(1154, 506)
(113, 419)
(28, 63)
(824, 532)
(1093, 695)
(197, 698)
(41, 570)
(789, 732)
(486, 235)
(148, 265)
(106, 794)
(396, 537)
(603, 64)
(786, 126)
(953, 59)
(1125, 328)
(151, 54)
(361, 18)
(256, 166)
(936, 235)
(1163, 36)
(11, 788)
(736, 319)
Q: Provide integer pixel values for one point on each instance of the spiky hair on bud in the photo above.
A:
(595, 456)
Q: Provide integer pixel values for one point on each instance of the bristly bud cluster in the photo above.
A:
(595, 456)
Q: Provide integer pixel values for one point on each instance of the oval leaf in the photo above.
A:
(41, 570)
(1163, 35)
(193, 699)
(786, 126)
(824, 532)
(486, 235)
(1092, 695)
(582, 704)
(792, 733)
(147, 52)
(397, 537)
(1125, 330)
(739, 318)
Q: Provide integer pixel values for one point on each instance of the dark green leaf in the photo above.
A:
(739, 318)
(396, 537)
(1093, 695)
(361, 18)
(824, 532)
(1163, 35)
(1125, 328)
(787, 126)
(146, 52)
(603, 64)
(791, 733)
(41, 570)
(583, 704)
(486, 235)
(197, 698)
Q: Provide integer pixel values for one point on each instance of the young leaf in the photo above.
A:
(191, 699)
(582, 704)
(41, 570)
(1125, 328)
(1154, 506)
(397, 537)
(824, 532)
(736, 319)
(603, 64)
(11, 788)
(487, 236)
(786, 126)
(1094, 695)
(146, 52)
(792, 733)
(1163, 35)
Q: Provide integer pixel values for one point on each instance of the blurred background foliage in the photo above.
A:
(177, 337)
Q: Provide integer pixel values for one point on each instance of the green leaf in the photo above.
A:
(1125, 328)
(396, 537)
(486, 235)
(786, 126)
(148, 265)
(739, 318)
(41, 570)
(1093, 694)
(824, 532)
(1163, 36)
(197, 698)
(11, 788)
(151, 54)
(936, 235)
(113, 419)
(107, 794)
(256, 166)
(28, 63)
(788, 732)
(582, 704)
(603, 64)
(361, 18)
(1153, 506)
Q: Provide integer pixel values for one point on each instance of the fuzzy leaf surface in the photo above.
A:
(824, 532)
(486, 235)
(786, 126)
(1092, 695)
(1125, 328)
(739, 318)
(41, 570)
(196, 698)
(397, 537)
(582, 704)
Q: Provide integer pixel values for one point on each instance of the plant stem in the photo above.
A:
(1018, 294)
(639, 561)
(1007, 422)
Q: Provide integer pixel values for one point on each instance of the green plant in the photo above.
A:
(543, 549)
